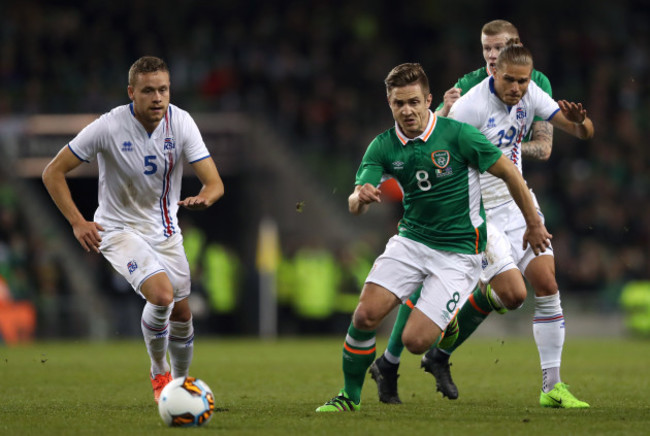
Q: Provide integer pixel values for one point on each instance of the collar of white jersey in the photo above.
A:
(433, 118)
(166, 121)
(491, 85)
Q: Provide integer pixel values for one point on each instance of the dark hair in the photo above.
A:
(407, 74)
(146, 64)
(514, 54)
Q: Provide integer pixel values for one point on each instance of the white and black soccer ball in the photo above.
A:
(186, 402)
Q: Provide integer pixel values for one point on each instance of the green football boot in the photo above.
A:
(560, 397)
(340, 403)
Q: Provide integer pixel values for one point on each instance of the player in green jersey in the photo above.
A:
(442, 231)
(549, 330)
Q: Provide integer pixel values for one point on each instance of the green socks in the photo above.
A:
(358, 354)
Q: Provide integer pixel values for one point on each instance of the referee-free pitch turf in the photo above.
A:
(273, 387)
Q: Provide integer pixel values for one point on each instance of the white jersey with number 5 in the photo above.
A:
(502, 125)
(140, 174)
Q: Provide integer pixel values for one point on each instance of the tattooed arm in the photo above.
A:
(541, 141)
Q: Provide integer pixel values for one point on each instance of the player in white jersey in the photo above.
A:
(140, 149)
(503, 125)
(502, 107)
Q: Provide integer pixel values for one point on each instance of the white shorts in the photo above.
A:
(137, 260)
(505, 229)
(447, 278)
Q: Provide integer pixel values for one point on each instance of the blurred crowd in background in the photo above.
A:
(315, 70)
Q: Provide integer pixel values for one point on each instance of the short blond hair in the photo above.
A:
(514, 54)
(497, 27)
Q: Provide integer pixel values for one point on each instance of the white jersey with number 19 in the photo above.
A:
(139, 173)
(504, 126)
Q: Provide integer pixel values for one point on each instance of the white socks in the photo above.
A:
(181, 347)
(550, 377)
(390, 357)
(155, 323)
(548, 329)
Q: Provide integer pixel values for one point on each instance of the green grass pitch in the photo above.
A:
(273, 387)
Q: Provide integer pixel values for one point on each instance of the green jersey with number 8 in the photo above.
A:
(439, 173)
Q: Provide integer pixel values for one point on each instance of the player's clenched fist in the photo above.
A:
(369, 194)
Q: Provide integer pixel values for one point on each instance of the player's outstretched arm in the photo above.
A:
(86, 232)
(573, 119)
(363, 195)
(536, 234)
(212, 189)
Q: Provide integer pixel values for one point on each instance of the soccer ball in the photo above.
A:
(186, 402)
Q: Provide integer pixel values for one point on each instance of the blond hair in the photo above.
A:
(497, 27)
(514, 54)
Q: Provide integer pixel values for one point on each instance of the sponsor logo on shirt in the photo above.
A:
(127, 146)
(398, 165)
(170, 144)
(444, 172)
(132, 266)
(440, 158)
(491, 123)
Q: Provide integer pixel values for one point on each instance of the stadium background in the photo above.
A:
(288, 95)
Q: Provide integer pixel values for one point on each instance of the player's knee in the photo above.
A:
(416, 344)
(161, 298)
(365, 319)
(514, 300)
(546, 286)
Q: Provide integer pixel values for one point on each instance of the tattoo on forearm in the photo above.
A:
(541, 141)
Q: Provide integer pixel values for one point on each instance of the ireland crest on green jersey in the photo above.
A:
(440, 158)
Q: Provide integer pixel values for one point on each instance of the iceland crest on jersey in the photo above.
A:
(132, 266)
(170, 144)
(521, 113)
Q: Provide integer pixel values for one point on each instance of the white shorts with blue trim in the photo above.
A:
(137, 260)
(505, 231)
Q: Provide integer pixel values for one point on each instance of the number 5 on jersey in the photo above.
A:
(150, 166)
